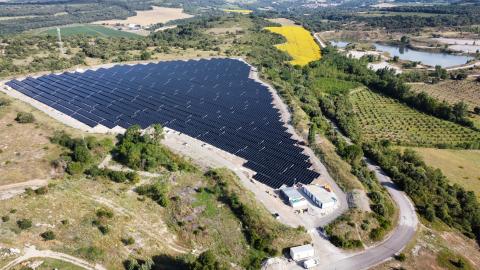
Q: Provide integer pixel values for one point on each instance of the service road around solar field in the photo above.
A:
(315, 219)
(208, 155)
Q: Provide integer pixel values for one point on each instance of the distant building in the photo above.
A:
(302, 252)
(294, 198)
(320, 196)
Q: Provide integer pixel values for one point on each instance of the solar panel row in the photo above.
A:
(212, 100)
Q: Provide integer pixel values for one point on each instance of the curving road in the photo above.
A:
(31, 252)
(399, 237)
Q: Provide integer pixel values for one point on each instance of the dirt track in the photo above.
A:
(31, 252)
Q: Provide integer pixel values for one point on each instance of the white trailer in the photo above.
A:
(302, 252)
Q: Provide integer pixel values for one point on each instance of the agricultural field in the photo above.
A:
(300, 44)
(240, 11)
(90, 30)
(382, 117)
(153, 16)
(459, 166)
(467, 90)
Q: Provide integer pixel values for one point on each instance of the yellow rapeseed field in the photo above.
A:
(242, 11)
(300, 44)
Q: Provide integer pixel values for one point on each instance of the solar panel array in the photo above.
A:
(211, 100)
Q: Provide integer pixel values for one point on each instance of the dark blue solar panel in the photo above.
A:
(212, 100)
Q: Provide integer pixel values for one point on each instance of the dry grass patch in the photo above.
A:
(25, 150)
(70, 208)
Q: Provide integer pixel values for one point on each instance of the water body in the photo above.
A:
(339, 44)
(429, 58)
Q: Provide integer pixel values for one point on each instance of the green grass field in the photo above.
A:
(382, 117)
(91, 30)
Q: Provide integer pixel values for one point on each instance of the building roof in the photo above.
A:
(301, 249)
(292, 194)
(320, 193)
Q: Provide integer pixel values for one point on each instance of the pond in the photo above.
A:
(429, 58)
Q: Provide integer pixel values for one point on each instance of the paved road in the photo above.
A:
(398, 239)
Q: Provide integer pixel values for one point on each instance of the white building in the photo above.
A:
(320, 196)
(294, 198)
(302, 252)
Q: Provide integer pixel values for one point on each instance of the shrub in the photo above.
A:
(24, 118)
(90, 253)
(157, 192)
(41, 190)
(377, 233)
(4, 102)
(104, 229)
(81, 154)
(102, 212)
(24, 224)
(401, 257)
(128, 241)
(48, 235)
(5, 218)
(75, 168)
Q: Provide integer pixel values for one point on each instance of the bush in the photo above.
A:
(104, 229)
(157, 192)
(24, 118)
(24, 224)
(401, 257)
(90, 253)
(4, 102)
(377, 233)
(41, 190)
(102, 212)
(128, 241)
(5, 218)
(75, 168)
(48, 235)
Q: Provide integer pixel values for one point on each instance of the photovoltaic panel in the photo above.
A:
(211, 100)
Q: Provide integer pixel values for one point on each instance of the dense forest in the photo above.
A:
(409, 20)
